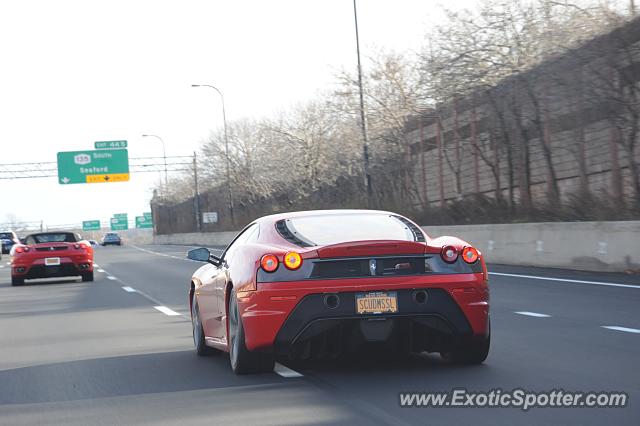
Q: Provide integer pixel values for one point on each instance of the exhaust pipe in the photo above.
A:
(420, 297)
(331, 301)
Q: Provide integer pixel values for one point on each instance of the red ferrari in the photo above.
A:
(319, 283)
(51, 254)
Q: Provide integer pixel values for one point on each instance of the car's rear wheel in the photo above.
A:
(242, 360)
(198, 332)
(15, 281)
(472, 352)
(87, 276)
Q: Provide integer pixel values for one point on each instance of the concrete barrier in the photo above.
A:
(589, 246)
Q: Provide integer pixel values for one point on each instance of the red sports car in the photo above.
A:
(52, 254)
(317, 283)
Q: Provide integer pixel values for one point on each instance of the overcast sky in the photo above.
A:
(75, 72)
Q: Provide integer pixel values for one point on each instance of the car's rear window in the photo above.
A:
(58, 237)
(6, 235)
(327, 229)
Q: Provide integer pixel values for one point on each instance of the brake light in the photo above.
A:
(292, 260)
(22, 249)
(449, 254)
(80, 246)
(269, 262)
(470, 254)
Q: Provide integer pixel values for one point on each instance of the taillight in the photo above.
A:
(449, 254)
(470, 255)
(22, 249)
(292, 260)
(269, 262)
(80, 246)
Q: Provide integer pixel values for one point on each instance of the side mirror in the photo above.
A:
(203, 255)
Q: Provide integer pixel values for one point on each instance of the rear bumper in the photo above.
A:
(284, 317)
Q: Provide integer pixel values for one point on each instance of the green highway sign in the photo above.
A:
(119, 222)
(91, 225)
(93, 166)
(143, 222)
(110, 144)
(147, 215)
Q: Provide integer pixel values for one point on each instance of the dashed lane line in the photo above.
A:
(100, 270)
(618, 328)
(565, 280)
(153, 300)
(279, 369)
(167, 311)
(286, 372)
(532, 314)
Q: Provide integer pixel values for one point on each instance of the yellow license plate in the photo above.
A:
(52, 261)
(378, 302)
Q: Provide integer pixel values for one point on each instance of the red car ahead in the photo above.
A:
(52, 254)
(317, 283)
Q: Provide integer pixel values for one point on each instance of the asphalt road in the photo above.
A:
(119, 351)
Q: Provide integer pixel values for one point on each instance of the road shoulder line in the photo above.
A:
(566, 280)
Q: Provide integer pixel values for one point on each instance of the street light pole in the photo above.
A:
(363, 123)
(226, 147)
(164, 157)
(197, 193)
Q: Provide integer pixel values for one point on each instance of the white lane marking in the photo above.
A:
(166, 311)
(100, 270)
(146, 296)
(95, 265)
(285, 371)
(1, 266)
(129, 289)
(617, 328)
(160, 254)
(165, 254)
(532, 314)
(533, 277)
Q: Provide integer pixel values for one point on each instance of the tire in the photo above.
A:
(242, 360)
(17, 281)
(87, 276)
(198, 332)
(470, 353)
